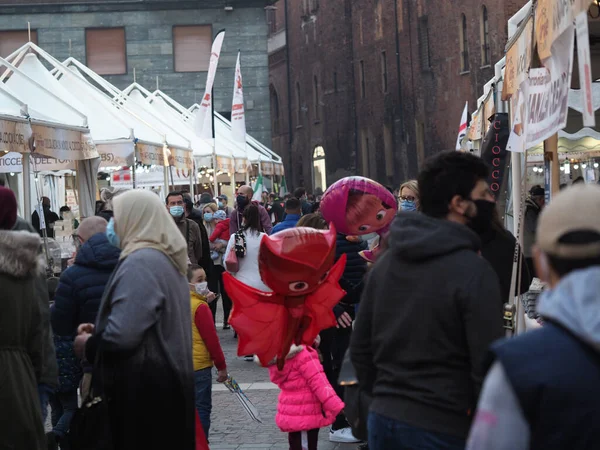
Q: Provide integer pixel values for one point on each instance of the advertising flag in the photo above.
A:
(238, 115)
(462, 129)
(203, 121)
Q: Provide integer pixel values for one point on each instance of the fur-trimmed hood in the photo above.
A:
(20, 253)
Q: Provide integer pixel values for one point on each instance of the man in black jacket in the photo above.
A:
(431, 308)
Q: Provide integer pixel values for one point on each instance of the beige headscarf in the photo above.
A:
(142, 221)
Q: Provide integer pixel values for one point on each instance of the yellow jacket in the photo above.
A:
(200, 354)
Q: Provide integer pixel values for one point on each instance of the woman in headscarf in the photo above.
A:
(140, 346)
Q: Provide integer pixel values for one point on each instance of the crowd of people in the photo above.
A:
(422, 327)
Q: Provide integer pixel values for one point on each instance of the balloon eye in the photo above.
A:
(298, 286)
(363, 228)
(381, 214)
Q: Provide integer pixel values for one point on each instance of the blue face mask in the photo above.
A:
(176, 211)
(111, 235)
(208, 217)
(407, 205)
(221, 204)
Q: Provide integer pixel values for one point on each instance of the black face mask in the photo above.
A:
(242, 201)
(482, 222)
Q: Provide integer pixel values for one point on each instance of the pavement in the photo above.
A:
(231, 428)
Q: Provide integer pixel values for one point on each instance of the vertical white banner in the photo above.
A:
(203, 121)
(462, 129)
(585, 70)
(238, 115)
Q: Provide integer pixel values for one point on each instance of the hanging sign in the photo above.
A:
(241, 166)
(493, 151)
(64, 144)
(474, 133)
(225, 164)
(517, 139)
(150, 155)
(14, 136)
(552, 19)
(548, 92)
(585, 70)
(267, 168)
(518, 60)
(181, 159)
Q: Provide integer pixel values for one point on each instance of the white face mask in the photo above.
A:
(201, 288)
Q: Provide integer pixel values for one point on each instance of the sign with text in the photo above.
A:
(518, 60)
(493, 151)
(181, 159)
(150, 155)
(267, 168)
(14, 136)
(63, 144)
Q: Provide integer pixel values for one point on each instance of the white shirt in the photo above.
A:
(248, 265)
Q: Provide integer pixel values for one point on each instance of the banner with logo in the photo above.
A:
(548, 92)
(267, 168)
(517, 140)
(238, 115)
(203, 120)
(63, 144)
(493, 151)
(518, 59)
(552, 19)
(242, 166)
(585, 68)
(225, 164)
(181, 159)
(116, 154)
(14, 136)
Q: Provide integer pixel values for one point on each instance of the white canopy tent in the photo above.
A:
(65, 136)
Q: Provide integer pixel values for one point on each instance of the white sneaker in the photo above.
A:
(343, 436)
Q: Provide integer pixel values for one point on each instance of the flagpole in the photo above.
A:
(214, 135)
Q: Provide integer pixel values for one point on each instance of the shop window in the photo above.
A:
(13, 40)
(423, 27)
(105, 50)
(485, 43)
(191, 48)
(464, 44)
(384, 73)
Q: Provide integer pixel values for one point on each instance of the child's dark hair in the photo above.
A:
(191, 270)
(252, 218)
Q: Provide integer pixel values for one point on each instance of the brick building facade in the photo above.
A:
(149, 38)
(381, 83)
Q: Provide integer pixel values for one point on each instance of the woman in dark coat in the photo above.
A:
(21, 336)
(498, 248)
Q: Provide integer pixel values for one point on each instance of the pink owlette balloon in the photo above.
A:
(358, 205)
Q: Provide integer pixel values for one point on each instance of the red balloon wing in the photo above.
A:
(259, 318)
(319, 305)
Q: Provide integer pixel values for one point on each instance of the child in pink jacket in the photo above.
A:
(307, 401)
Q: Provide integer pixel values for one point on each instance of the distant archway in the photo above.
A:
(319, 169)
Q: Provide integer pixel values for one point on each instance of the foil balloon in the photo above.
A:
(359, 206)
(298, 265)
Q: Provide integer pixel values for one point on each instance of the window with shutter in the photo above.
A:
(105, 50)
(464, 44)
(424, 43)
(191, 47)
(485, 45)
(12, 40)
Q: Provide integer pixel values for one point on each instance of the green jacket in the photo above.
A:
(49, 375)
(21, 341)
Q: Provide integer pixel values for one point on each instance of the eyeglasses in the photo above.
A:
(408, 198)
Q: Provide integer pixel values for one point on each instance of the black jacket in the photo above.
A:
(352, 280)
(81, 286)
(498, 248)
(206, 261)
(430, 309)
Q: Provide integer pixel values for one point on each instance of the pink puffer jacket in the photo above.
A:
(307, 400)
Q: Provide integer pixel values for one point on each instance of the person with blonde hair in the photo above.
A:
(139, 345)
(409, 196)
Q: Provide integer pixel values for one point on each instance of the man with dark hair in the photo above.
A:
(300, 194)
(275, 209)
(195, 215)
(243, 199)
(533, 207)
(430, 311)
(293, 212)
(189, 229)
(542, 389)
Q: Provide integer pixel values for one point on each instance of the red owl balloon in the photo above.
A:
(297, 264)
